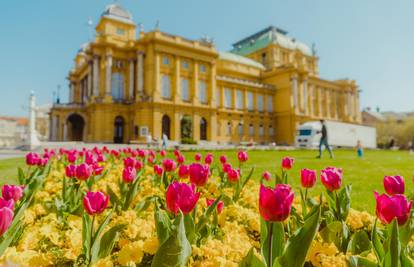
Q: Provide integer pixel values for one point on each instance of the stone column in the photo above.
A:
(294, 80)
(194, 89)
(108, 74)
(53, 128)
(33, 141)
(71, 92)
(131, 80)
(157, 82)
(176, 87)
(89, 80)
(65, 131)
(310, 102)
(140, 72)
(95, 76)
(212, 88)
(320, 101)
(305, 95)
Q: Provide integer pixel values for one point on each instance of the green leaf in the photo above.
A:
(357, 261)
(86, 235)
(246, 180)
(163, 225)
(204, 219)
(332, 233)
(112, 196)
(406, 231)
(189, 228)
(377, 244)
(359, 243)
(272, 240)
(107, 242)
(298, 244)
(392, 257)
(131, 193)
(344, 197)
(176, 250)
(251, 260)
(96, 236)
(21, 176)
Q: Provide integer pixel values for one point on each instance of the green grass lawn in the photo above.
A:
(364, 174)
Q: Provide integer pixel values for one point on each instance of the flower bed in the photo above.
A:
(139, 208)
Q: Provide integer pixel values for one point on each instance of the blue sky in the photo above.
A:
(370, 41)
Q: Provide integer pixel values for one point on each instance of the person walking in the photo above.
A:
(359, 148)
(149, 140)
(324, 140)
(164, 141)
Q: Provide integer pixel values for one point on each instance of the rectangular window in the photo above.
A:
(120, 31)
(185, 65)
(251, 130)
(203, 68)
(165, 86)
(166, 60)
(271, 132)
(185, 91)
(218, 97)
(260, 103)
(227, 98)
(202, 90)
(269, 103)
(250, 105)
(239, 99)
(261, 130)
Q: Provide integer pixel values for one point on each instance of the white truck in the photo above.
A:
(339, 134)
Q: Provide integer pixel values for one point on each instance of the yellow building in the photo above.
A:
(124, 86)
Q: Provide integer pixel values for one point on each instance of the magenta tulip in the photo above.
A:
(180, 159)
(7, 203)
(394, 184)
(275, 204)
(139, 165)
(208, 159)
(169, 165)
(32, 159)
(183, 171)
(223, 159)
(233, 175)
(70, 171)
(129, 174)
(390, 207)
(266, 175)
(158, 170)
(331, 178)
(83, 171)
(220, 204)
(181, 196)
(197, 157)
(6, 218)
(14, 192)
(97, 169)
(198, 174)
(129, 162)
(307, 178)
(242, 156)
(287, 163)
(95, 202)
(226, 167)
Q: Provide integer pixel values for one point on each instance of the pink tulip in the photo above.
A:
(220, 204)
(275, 204)
(129, 162)
(197, 157)
(266, 175)
(70, 171)
(394, 184)
(223, 159)
(129, 174)
(177, 153)
(72, 156)
(181, 196)
(14, 192)
(151, 160)
(163, 153)
(83, 171)
(100, 158)
(307, 178)
(97, 169)
(89, 158)
(331, 178)
(180, 159)
(42, 162)
(198, 174)
(233, 175)
(208, 159)
(287, 163)
(139, 165)
(7, 203)
(242, 156)
(226, 167)
(32, 159)
(6, 218)
(142, 153)
(183, 171)
(169, 165)
(390, 207)
(95, 202)
(158, 170)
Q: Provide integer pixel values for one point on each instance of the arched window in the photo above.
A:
(229, 128)
(240, 127)
(166, 126)
(271, 131)
(119, 125)
(203, 129)
(165, 86)
(251, 129)
(261, 130)
(117, 86)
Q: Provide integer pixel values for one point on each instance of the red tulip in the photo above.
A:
(266, 175)
(180, 159)
(181, 196)
(197, 157)
(42, 162)
(177, 153)
(183, 171)
(158, 170)
(242, 156)
(169, 165)
(223, 159)
(129, 174)
(208, 159)
(233, 175)
(14, 192)
(275, 204)
(95, 202)
(307, 178)
(394, 184)
(83, 171)
(139, 165)
(129, 162)
(198, 174)
(71, 155)
(163, 153)
(287, 163)
(331, 178)
(32, 159)
(70, 171)
(226, 167)
(142, 153)
(6, 203)
(97, 169)
(390, 207)
(100, 158)
(6, 218)
(220, 204)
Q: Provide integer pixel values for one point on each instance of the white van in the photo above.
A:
(339, 134)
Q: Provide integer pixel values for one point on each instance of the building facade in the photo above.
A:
(13, 131)
(125, 86)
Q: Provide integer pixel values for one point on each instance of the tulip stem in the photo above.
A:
(269, 264)
(338, 207)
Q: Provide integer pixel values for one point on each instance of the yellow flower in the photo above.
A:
(105, 262)
(151, 245)
(131, 253)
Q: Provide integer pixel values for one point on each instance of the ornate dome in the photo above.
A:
(117, 12)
